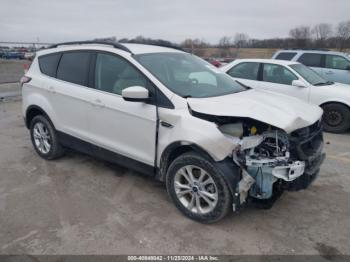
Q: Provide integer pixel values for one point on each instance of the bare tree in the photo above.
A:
(321, 33)
(300, 32)
(343, 33)
(301, 35)
(225, 43)
(112, 39)
(196, 46)
(240, 40)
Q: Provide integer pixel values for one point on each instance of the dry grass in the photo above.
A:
(241, 53)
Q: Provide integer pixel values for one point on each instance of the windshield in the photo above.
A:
(310, 75)
(188, 75)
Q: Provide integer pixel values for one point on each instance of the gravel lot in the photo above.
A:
(79, 205)
(11, 70)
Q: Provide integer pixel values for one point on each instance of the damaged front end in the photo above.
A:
(273, 161)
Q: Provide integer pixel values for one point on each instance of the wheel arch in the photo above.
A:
(175, 149)
(32, 111)
(334, 102)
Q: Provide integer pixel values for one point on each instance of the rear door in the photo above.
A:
(313, 60)
(337, 69)
(246, 73)
(123, 127)
(69, 94)
(278, 78)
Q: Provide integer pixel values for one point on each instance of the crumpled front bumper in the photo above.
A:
(264, 179)
(308, 177)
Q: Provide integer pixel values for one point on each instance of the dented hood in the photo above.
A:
(285, 112)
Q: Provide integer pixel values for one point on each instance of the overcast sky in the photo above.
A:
(175, 20)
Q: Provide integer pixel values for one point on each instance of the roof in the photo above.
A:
(271, 61)
(134, 48)
(311, 51)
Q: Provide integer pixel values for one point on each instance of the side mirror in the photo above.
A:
(135, 94)
(348, 68)
(298, 83)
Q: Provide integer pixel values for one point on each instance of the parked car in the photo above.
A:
(333, 66)
(295, 79)
(29, 55)
(12, 55)
(214, 62)
(215, 143)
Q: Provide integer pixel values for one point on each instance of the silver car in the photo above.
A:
(333, 66)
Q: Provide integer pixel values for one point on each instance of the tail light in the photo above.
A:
(24, 79)
(25, 68)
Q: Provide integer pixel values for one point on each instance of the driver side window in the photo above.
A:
(337, 62)
(113, 74)
(278, 74)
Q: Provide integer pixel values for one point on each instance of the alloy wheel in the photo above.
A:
(196, 189)
(42, 138)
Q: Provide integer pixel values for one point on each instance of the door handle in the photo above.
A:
(329, 72)
(97, 103)
(52, 89)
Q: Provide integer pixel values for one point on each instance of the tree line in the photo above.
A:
(320, 36)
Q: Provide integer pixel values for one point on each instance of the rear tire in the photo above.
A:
(336, 118)
(44, 138)
(198, 189)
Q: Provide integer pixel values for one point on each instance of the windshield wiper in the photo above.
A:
(245, 86)
(187, 96)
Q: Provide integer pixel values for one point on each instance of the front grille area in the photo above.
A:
(306, 144)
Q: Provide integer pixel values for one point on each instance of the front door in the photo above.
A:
(126, 128)
(337, 69)
(278, 78)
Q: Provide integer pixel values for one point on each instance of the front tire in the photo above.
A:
(44, 138)
(198, 189)
(336, 118)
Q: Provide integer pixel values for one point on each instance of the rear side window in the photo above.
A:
(48, 64)
(313, 60)
(285, 56)
(246, 70)
(74, 67)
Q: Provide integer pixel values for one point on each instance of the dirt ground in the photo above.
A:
(79, 205)
(11, 70)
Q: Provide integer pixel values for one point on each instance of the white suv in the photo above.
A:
(171, 115)
(333, 66)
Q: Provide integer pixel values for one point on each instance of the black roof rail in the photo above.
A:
(115, 45)
(308, 49)
(157, 44)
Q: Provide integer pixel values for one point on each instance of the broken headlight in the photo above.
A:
(234, 129)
